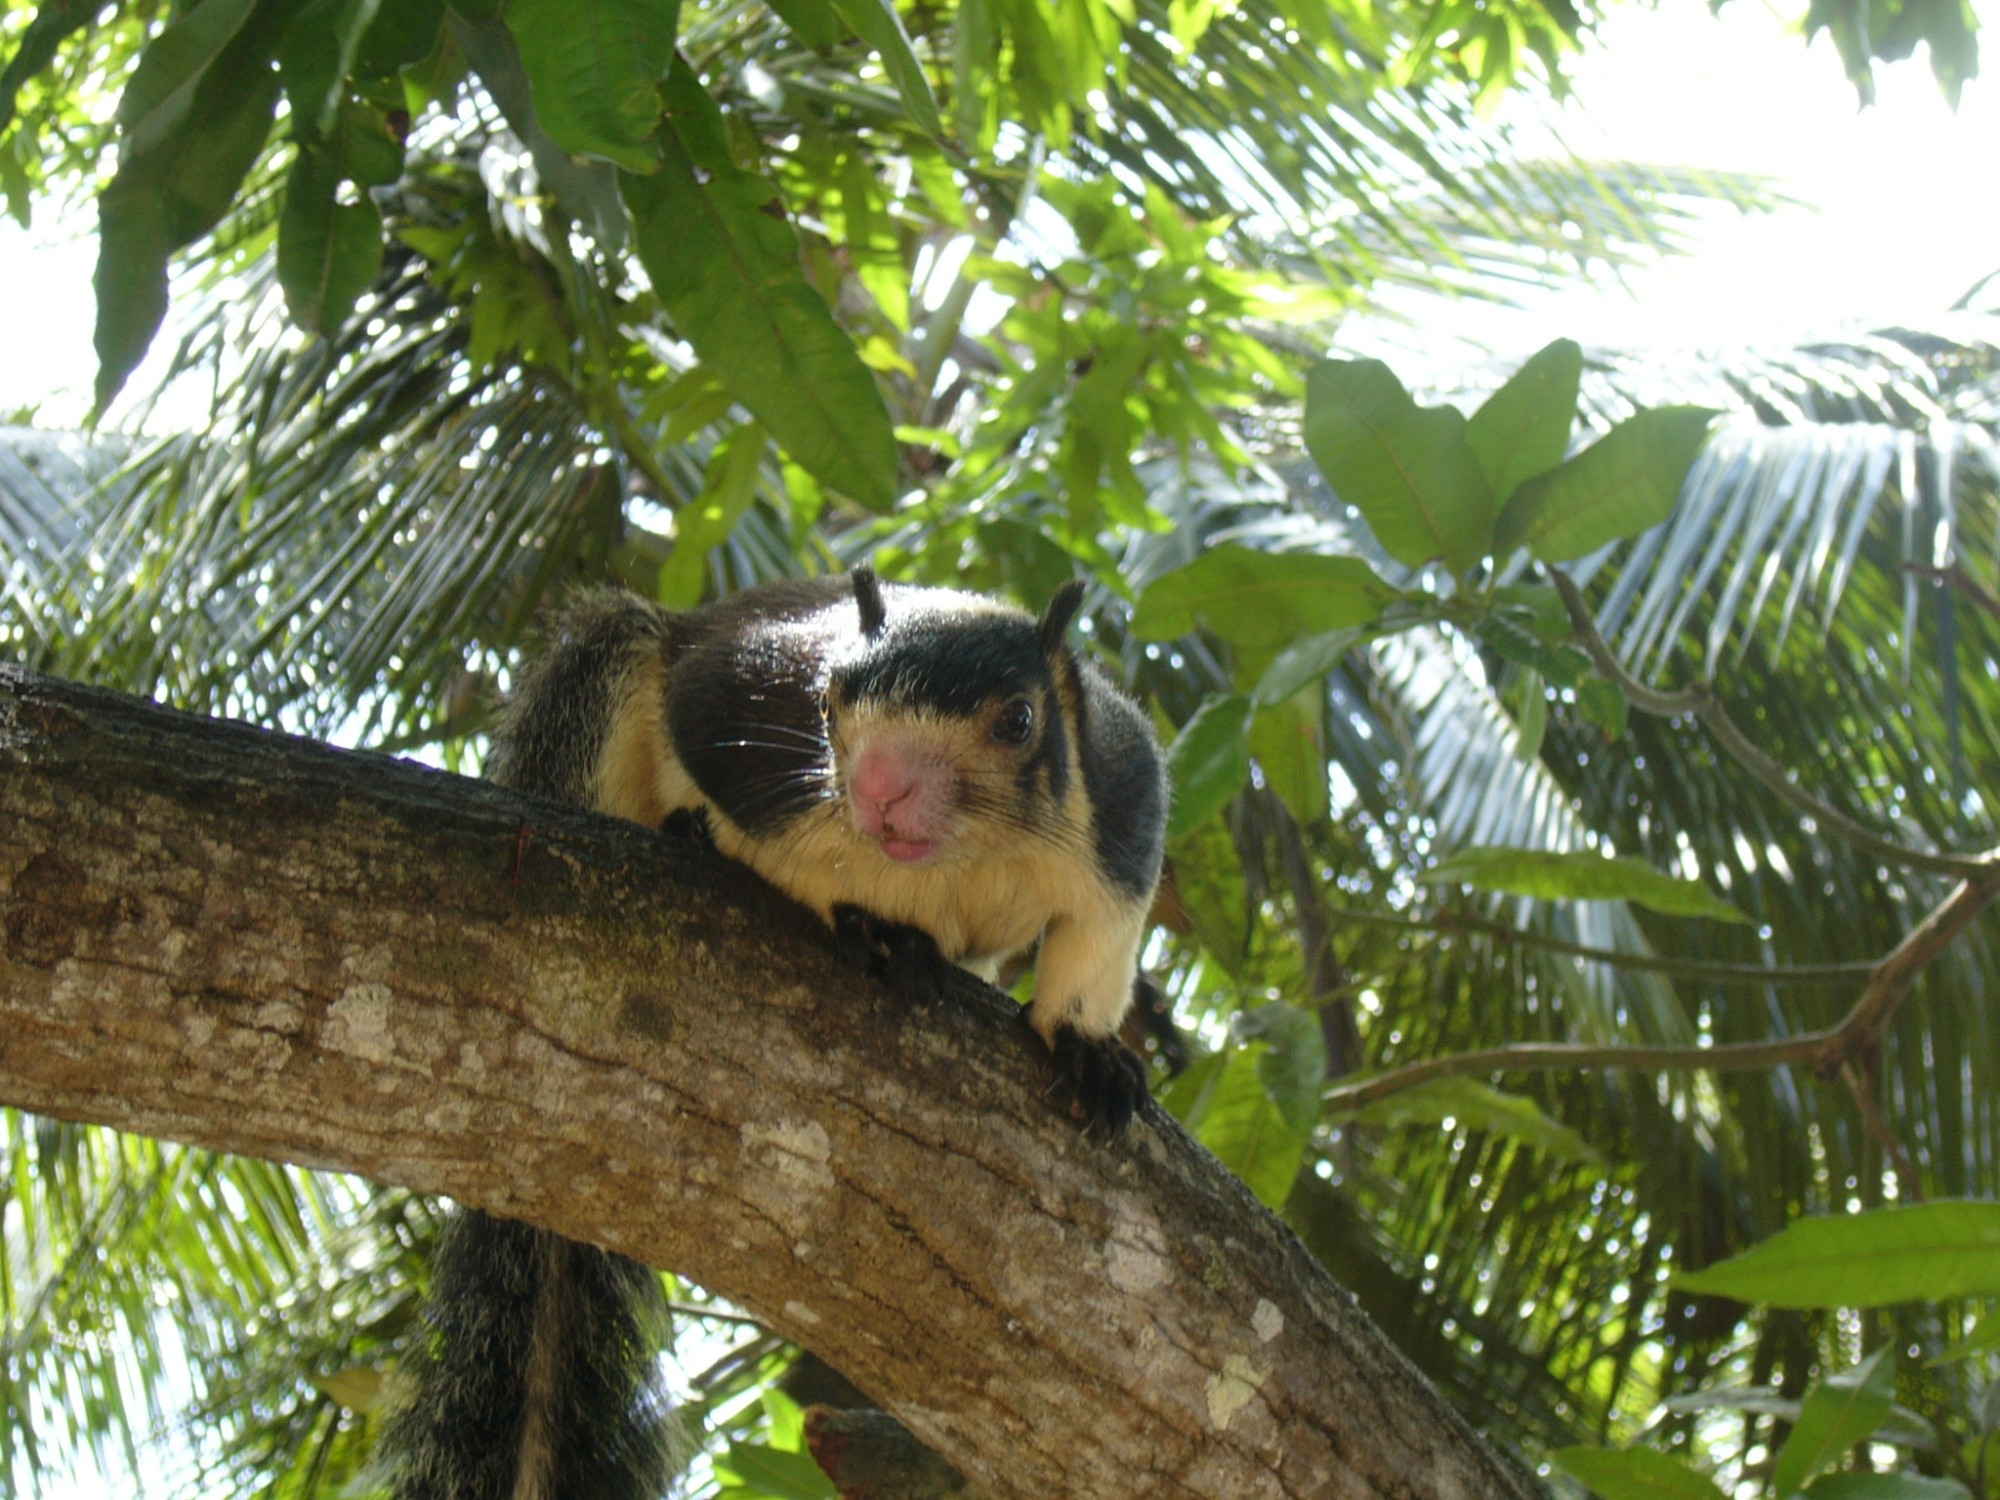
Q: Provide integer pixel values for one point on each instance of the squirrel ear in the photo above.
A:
(868, 595)
(1055, 621)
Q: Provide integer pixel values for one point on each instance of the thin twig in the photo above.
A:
(1828, 1052)
(1702, 703)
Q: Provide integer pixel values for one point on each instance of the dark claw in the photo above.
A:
(904, 958)
(916, 970)
(689, 825)
(1104, 1079)
(852, 938)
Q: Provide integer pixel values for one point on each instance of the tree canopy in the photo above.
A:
(1597, 704)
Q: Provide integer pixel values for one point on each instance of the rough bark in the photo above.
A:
(224, 936)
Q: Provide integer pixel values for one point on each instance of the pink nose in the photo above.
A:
(879, 782)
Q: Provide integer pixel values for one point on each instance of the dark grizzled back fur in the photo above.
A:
(1126, 778)
(552, 730)
(507, 1299)
(743, 701)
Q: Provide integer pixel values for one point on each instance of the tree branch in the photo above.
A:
(1828, 1052)
(259, 945)
(1702, 703)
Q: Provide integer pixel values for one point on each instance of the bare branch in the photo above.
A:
(1703, 705)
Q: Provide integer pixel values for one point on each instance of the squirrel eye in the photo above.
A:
(1016, 723)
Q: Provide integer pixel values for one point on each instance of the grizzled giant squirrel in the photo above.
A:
(938, 776)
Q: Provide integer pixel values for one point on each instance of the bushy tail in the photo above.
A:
(538, 1377)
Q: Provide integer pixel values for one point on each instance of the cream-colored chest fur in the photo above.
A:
(980, 908)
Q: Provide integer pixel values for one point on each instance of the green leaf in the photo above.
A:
(1565, 666)
(1580, 876)
(1303, 663)
(1236, 1118)
(402, 33)
(328, 252)
(1885, 1487)
(1636, 1474)
(1530, 703)
(1838, 1413)
(174, 190)
(1208, 875)
(773, 1472)
(1284, 738)
(724, 259)
(877, 24)
(316, 57)
(1603, 705)
(1208, 762)
(1479, 1106)
(705, 522)
(1261, 600)
(1619, 486)
(813, 22)
(1523, 428)
(1914, 1252)
(1293, 1066)
(1410, 470)
(595, 68)
(162, 88)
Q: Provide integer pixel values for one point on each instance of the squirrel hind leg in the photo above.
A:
(1103, 1079)
(906, 959)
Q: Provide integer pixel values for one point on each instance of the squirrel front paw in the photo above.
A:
(1104, 1079)
(905, 958)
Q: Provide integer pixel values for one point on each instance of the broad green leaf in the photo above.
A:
(1303, 663)
(1984, 1339)
(1260, 600)
(402, 33)
(1410, 470)
(1529, 700)
(1523, 428)
(1635, 1474)
(328, 252)
(704, 523)
(1603, 705)
(1837, 1413)
(724, 258)
(1293, 1066)
(1902, 1426)
(1580, 876)
(1479, 1106)
(1914, 1252)
(1565, 666)
(877, 24)
(1885, 1487)
(773, 1472)
(162, 88)
(595, 68)
(316, 57)
(1285, 739)
(167, 195)
(1208, 762)
(1236, 1118)
(1619, 486)
(587, 190)
(1208, 877)
(813, 22)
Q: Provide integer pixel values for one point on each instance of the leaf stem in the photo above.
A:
(1700, 702)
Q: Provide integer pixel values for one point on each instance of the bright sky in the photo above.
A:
(1903, 215)
(1898, 214)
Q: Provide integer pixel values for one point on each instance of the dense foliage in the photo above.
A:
(434, 309)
